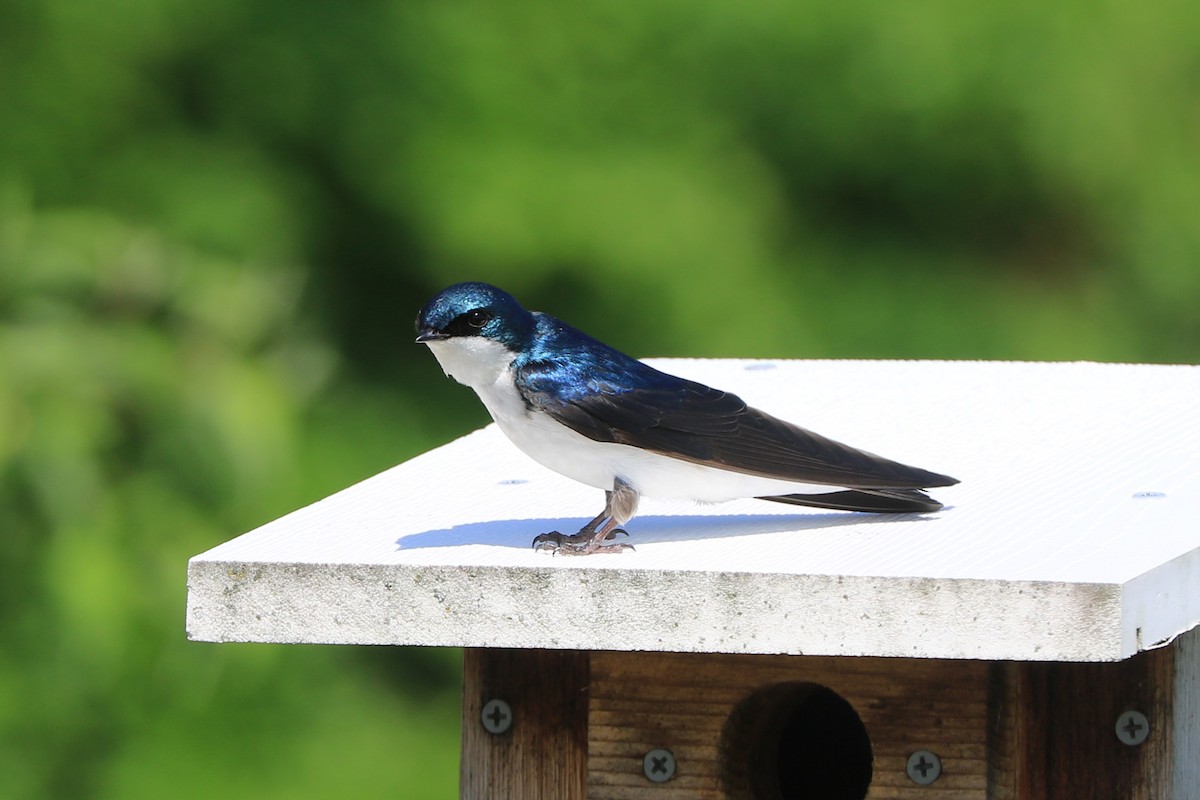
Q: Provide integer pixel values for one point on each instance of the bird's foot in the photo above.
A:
(583, 543)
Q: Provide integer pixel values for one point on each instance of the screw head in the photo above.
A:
(924, 767)
(496, 716)
(1132, 728)
(659, 765)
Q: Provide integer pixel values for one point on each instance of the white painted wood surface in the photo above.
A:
(1074, 535)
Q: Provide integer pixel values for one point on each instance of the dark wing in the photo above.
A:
(694, 422)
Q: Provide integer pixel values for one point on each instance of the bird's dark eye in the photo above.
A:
(469, 323)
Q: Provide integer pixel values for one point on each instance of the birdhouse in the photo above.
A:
(1030, 640)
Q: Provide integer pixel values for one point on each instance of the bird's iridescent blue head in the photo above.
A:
(475, 309)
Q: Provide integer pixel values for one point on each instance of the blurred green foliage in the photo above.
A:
(217, 222)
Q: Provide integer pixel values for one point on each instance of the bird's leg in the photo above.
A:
(619, 507)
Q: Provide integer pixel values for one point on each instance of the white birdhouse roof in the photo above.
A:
(1074, 535)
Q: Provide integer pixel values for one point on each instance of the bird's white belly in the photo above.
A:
(650, 474)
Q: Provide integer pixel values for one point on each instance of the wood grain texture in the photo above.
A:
(544, 753)
(1054, 730)
(642, 701)
(1186, 712)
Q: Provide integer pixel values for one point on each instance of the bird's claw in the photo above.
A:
(548, 541)
(579, 544)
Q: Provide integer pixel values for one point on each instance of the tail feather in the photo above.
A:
(871, 500)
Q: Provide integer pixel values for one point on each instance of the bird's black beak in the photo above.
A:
(430, 335)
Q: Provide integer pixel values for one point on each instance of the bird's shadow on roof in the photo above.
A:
(647, 529)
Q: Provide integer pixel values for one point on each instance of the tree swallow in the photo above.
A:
(596, 415)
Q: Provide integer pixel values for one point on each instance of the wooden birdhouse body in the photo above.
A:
(998, 729)
(751, 650)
